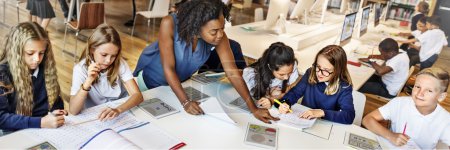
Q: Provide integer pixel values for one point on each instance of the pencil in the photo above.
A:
(84, 122)
(279, 103)
(404, 128)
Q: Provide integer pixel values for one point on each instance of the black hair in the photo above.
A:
(423, 20)
(194, 14)
(434, 20)
(276, 56)
(388, 45)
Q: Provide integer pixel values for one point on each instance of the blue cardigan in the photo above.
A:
(11, 121)
(338, 107)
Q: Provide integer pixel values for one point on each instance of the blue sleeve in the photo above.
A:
(12, 121)
(298, 91)
(346, 114)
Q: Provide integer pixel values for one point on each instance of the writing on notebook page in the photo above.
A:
(73, 134)
(293, 119)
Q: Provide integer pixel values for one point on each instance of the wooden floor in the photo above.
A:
(117, 13)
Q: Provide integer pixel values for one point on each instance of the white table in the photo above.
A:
(209, 133)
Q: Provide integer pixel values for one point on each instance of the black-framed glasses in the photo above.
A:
(326, 73)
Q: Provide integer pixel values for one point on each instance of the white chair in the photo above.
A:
(359, 103)
(160, 9)
(259, 14)
(17, 3)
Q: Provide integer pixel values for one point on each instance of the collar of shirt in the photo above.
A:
(36, 72)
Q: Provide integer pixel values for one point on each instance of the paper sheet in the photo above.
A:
(293, 120)
(386, 144)
(213, 108)
(320, 129)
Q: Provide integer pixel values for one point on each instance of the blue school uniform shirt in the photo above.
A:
(187, 62)
(11, 121)
(337, 107)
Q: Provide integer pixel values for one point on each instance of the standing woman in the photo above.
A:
(41, 11)
(185, 43)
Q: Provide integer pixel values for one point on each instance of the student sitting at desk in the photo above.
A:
(431, 43)
(418, 117)
(326, 88)
(412, 49)
(389, 77)
(272, 75)
(185, 43)
(29, 86)
(102, 75)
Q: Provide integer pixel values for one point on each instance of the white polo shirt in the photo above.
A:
(101, 92)
(395, 79)
(431, 42)
(249, 78)
(425, 130)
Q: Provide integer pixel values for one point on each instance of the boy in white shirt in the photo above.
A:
(419, 118)
(389, 77)
(431, 42)
(412, 49)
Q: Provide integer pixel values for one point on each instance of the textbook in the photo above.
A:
(262, 136)
(360, 142)
(157, 108)
(132, 138)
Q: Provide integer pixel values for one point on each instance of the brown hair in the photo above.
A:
(337, 57)
(102, 35)
(12, 54)
(439, 74)
(423, 7)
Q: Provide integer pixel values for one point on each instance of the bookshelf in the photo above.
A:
(403, 10)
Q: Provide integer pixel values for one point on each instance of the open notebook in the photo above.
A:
(292, 119)
(132, 138)
(82, 127)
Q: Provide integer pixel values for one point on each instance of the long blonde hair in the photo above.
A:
(337, 57)
(102, 35)
(13, 54)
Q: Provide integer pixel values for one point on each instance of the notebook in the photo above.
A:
(261, 136)
(293, 120)
(157, 108)
(360, 142)
(132, 138)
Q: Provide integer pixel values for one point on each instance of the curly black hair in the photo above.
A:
(193, 14)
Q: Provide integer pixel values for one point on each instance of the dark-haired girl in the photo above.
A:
(185, 43)
(272, 75)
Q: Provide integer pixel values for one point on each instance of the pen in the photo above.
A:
(279, 103)
(404, 128)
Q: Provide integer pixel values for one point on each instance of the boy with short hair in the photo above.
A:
(419, 117)
(389, 77)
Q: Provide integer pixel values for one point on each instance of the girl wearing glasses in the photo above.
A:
(326, 88)
(272, 75)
